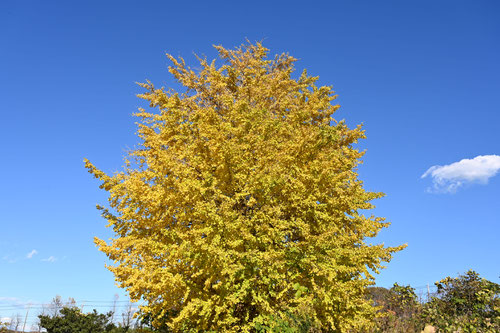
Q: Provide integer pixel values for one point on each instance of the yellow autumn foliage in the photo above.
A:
(241, 205)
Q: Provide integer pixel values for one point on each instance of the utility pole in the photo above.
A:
(115, 299)
(26, 318)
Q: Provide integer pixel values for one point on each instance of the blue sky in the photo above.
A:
(423, 78)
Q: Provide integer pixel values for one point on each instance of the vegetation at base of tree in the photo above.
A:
(399, 309)
(467, 303)
(241, 207)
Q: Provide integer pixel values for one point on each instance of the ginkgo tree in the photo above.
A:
(241, 206)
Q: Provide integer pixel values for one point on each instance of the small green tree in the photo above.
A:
(466, 303)
(404, 301)
(71, 319)
(399, 309)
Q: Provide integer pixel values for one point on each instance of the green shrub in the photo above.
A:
(466, 303)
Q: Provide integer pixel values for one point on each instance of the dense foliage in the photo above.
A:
(466, 303)
(241, 208)
(71, 319)
(399, 309)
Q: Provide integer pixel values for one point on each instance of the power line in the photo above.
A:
(86, 304)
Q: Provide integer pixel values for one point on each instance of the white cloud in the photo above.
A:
(50, 259)
(448, 178)
(31, 254)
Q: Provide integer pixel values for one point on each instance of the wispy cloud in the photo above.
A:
(31, 254)
(10, 299)
(449, 178)
(15, 302)
(9, 259)
(50, 259)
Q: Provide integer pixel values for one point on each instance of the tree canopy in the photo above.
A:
(241, 207)
(72, 320)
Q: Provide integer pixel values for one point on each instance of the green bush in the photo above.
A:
(399, 309)
(466, 303)
(71, 319)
